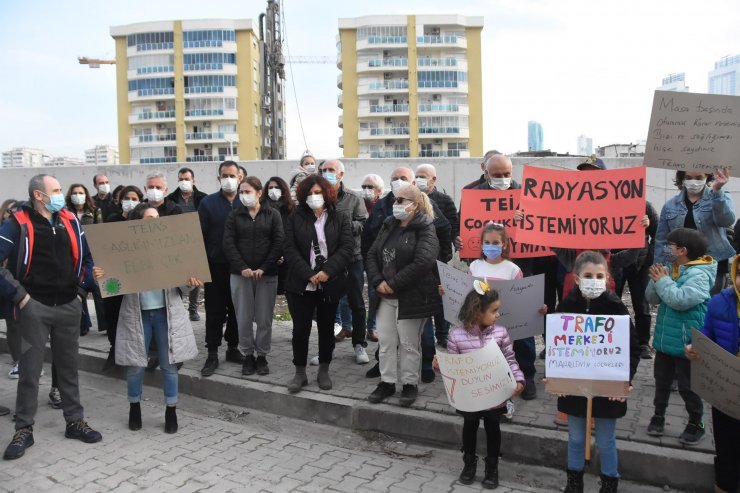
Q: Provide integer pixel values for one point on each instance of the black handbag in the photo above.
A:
(336, 287)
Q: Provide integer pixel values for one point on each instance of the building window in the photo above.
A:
(441, 78)
(382, 34)
(207, 39)
(152, 87)
(151, 41)
(203, 84)
(208, 61)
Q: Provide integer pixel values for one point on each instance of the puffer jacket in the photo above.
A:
(461, 341)
(683, 298)
(415, 283)
(130, 350)
(253, 243)
(722, 324)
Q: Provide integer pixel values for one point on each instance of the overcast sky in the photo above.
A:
(576, 66)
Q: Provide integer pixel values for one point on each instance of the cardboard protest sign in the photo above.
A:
(691, 131)
(583, 209)
(588, 355)
(520, 300)
(478, 380)
(148, 254)
(716, 375)
(477, 207)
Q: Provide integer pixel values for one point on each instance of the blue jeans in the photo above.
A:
(427, 345)
(155, 324)
(344, 314)
(606, 440)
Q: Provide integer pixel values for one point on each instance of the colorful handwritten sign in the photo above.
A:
(715, 376)
(477, 207)
(691, 131)
(583, 209)
(478, 380)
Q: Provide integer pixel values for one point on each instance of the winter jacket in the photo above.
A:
(627, 257)
(348, 202)
(722, 324)
(197, 197)
(713, 212)
(606, 304)
(89, 217)
(168, 208)
(253, 243)
(130, 348)
(415, 283)
(299, 235)
(461, 341)
(683, 298)
(447, 206)
(213, 211)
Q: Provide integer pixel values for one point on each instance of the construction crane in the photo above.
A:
(97, 62)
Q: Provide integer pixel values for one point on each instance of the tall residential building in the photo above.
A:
(725, 78)
(675, 82)
(20, 157)
(535, 136)
(65, 161)
(101, 155)
(585, 146)
(411, 86)
(188, 90)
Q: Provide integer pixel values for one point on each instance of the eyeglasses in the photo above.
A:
(399, 200)
(367, 187)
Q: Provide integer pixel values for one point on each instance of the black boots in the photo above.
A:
(575, 482)
(490, 480)
(608, 484)
(134, 416)
(170, 420)
(467, 476)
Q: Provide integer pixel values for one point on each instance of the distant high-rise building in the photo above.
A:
(65, 161)
(585, 145)
(675, 82)
(725, 78)
(20, 157)
(535, 139)
(101, 155)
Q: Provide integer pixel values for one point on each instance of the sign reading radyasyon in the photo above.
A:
(691, 131)
(148, 254)
(715, 376)
(478, 380)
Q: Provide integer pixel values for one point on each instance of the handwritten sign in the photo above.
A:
(478, 380)
(583, 209)
(148, 254)
(691, 131)
(477, 207)
(716, 375)
(520, 300)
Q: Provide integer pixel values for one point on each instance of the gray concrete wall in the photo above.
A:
(453, 174)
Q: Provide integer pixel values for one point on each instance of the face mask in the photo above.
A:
(398, 185)
(77, 198)
(275, 193)
(401, 212)
(229, 185)
(331, 178)
(185, 185)
(368, 193)
(694, 186)
(422, 184)
(315, 201)
(104, 188)
(248, 199)
(669, 254)
(592, 288)
(311, 168)
(499, 183)
(492, 251)
(56, 203)
(128, 205)
(154, 194)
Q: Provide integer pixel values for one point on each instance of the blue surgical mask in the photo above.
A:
(669, 254)
(492, 251)
(56, 202)
(330, 177)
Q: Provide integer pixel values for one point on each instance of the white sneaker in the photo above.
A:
(13, 373)
(314, 361)
(361, 355)
(337, 329)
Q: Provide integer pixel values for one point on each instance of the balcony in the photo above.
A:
(428, 132)
(384, 132)
(194, 137)
(386, 154)
(149, 140)
(148, 94)
(156, 160)
(341, 142)
(339, 100)
(341, 121)
(384, 108)
(384, 87)
(444, 108)
(375, 42)
(146, 71)
(443, 86)
(447, 41)
(149, 48)
(391, 63)
(437, 62)
(151, 117)
(214, 158)
(444, 153)
(211, 114)
(339, 81)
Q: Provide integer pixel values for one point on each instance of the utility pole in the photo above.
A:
(273, 87)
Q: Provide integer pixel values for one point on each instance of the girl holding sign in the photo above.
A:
(478, 315)
(592, 297)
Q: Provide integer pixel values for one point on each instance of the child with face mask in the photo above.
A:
(592, 296)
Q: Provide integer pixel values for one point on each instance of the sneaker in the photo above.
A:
(22, 439)
(692, 434)
(314, 361)
(194, 316)
(337, 329)
(80, 430)
(657, 426)
(55, 398)
(262, 368)
(382, 392)
(645, 352)
(560, 419)
(13, 373)
(342, 334)
(234, 355)
(210, 366)
(373, 372)
(361, 355)
(510, 408)
(428, 376)
(530, 390)
(249, 367)
(409, 394)
(372, 335)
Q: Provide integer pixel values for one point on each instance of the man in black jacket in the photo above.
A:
(156, 194)
(483, 177)
(103, 198)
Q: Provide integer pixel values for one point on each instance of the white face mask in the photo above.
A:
(77, 198)
(248, 199)
(401, 211)
(694, 186)
(315, 201)
(422, 184)
(229, 185)
(310, 168)
(104, 188)
(499, 183)
(154, 194)
(185, 185)
(128, 205)
(592, 288)
(368, 193)
(275, 193)
(398, 185)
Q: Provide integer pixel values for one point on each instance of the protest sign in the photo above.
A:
(478, 380)
(583, 209)
(691, 131)
(588, 355)
(715, 376)
(148, 254)
(520, 300)
(477, 207)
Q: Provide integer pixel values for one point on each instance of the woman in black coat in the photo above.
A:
(277, 195)
(401, 266)
(318, 249)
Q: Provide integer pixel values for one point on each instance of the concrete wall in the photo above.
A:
(452, 174)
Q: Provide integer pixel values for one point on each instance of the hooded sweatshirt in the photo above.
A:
(722, 323)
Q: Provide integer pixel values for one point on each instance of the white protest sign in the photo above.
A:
(580, 346)
(478, 380)
(715, 376)
(691, 131)
(521, 300)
